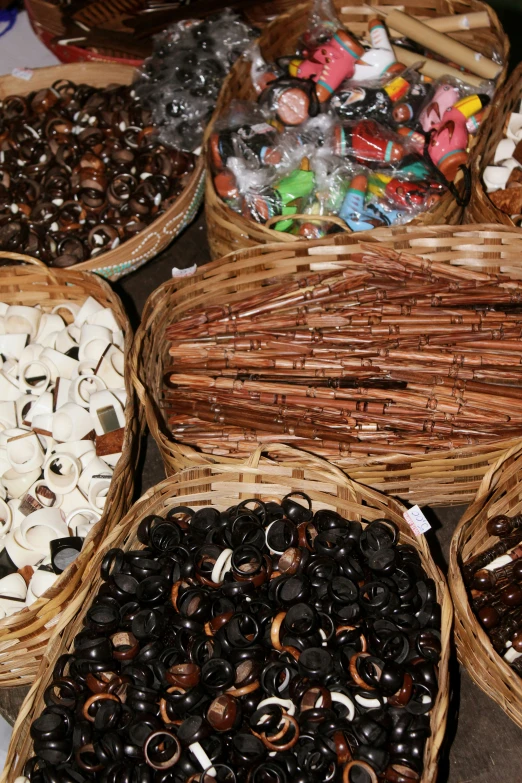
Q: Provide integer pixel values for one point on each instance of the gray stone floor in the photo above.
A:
(482, 744)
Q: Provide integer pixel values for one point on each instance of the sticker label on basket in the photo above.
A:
(22, 73)
(417, 521)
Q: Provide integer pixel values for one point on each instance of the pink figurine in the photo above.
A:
(448, 144)
(329, 64)
(446, 95)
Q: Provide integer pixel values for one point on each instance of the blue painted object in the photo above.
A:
(7, 20)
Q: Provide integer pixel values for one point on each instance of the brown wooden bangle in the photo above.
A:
(78, 757)
(257, 580)
(303, 529)
(218, 622)
(208, 582)
(275, 629)
(126, 639)
(289, 561)
(293, 651)
(118, 686)
(342, 748)
(99, 683)
(95, 698)
(169, 762)
(403, 695)
(244, 690)
(174, 592)
(163, 706)
(184, 675)
(355, 674)
(223, 712)
(361, 765)
(270, 742)
(398, 773)
(311, 696)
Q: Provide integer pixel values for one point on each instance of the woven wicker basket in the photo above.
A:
(148, 243)
(25, 635)
(480, 208)
(499, 493)
(47, 22)
(222, 486)
(227, 230)
(438, 479)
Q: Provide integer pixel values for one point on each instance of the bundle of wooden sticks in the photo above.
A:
(385, 354)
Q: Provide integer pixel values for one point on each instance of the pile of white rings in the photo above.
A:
(504, 161)
(62, 401)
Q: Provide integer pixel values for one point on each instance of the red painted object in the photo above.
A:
(367, 141)
(411, 195)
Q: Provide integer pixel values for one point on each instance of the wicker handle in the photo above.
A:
(135, 362)
(25, 259)
(489, 482)
(316, 463)
(310, 218)
(30, 261)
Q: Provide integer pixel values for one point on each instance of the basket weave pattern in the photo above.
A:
(480, 208)
(227, 230)
(222, 486)
(499, 493)
(135, 252)
(25, 635)
(441, 479)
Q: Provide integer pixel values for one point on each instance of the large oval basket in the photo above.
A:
(222, 486)
(25, 635)
(227, 230)
(148, 243)
(499, 493)
(437, 479)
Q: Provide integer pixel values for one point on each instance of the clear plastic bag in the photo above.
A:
(181, 81)
(371, 143)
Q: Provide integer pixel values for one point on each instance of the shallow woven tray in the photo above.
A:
(440, 478)
(499, 493)
(222, 486)
(148, 243)
(227, 230)
(25, 635)
(46, 20)
(480, 208)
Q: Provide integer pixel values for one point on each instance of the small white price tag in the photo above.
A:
(22, 73)
(191, 270)
(417, 521)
